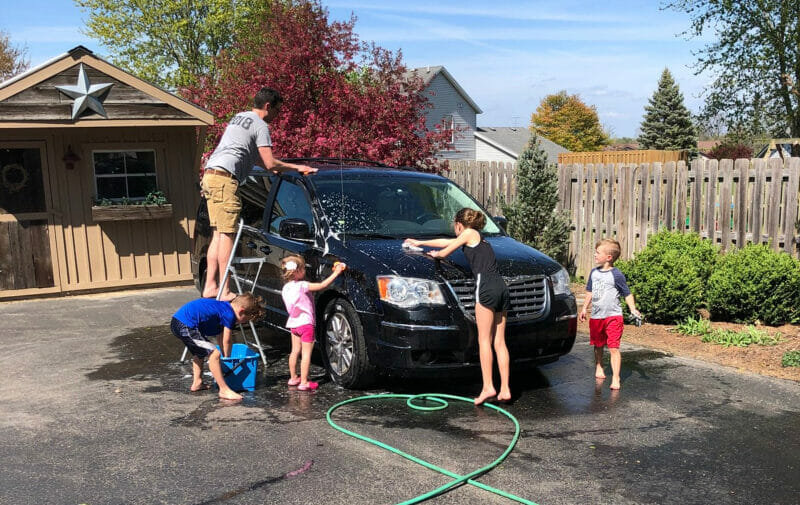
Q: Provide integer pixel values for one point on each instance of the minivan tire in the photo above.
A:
(342, 338)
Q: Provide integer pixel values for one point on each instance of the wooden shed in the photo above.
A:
(77, 134)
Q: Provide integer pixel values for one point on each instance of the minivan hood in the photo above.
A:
(388, 256)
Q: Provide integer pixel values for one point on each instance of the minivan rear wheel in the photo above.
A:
(344, 348)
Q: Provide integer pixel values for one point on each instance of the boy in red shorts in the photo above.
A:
(606, 285)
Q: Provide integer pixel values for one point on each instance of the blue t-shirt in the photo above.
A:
(606, 287)
(207, 315)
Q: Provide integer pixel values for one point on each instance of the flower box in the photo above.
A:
(130, 212)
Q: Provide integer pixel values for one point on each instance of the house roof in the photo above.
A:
(81, 55)
(513, 140)
(428, 73)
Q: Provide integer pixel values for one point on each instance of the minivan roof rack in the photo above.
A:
(336, 161)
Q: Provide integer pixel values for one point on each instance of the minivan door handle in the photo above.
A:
(265, 249)
(250, 244)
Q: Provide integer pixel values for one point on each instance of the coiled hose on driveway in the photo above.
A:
(440, 401)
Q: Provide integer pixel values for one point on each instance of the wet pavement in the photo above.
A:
(96, 410)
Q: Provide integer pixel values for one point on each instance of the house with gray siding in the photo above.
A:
(452, 107)
(506, 143)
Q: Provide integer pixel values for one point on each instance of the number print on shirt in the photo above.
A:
(242, 121)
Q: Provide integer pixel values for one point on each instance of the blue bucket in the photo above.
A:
(240, 368)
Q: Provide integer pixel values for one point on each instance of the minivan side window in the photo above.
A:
(290, 201)
(254, 200)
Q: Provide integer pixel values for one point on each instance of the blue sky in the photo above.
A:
(507, 55)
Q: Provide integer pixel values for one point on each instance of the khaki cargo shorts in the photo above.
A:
(223, 203)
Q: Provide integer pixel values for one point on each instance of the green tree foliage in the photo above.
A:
(754, 59)
(667, 123)
(669, 276)
(569, 122)
(533, 218)
(753, 284)
(168, 42)
(13, 60)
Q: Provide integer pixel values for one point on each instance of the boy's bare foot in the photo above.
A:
(485, 395)
(615, 384)
(229, 394)
(198, 385)
(599, 373)
(504, 396)
(210, 292)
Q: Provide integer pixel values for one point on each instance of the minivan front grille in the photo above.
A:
(529, 296)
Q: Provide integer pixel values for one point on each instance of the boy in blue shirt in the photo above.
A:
(605, 286)
(200, 319)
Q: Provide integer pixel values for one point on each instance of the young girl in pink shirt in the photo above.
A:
(300, 307)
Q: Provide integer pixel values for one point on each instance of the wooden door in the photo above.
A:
(26, 260)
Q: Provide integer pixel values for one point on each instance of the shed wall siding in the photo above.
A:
(92, 255)
(447, 101)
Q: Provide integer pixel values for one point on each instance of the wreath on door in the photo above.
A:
(15, 177)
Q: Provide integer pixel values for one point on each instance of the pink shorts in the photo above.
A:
(606, 331)
(305, 332)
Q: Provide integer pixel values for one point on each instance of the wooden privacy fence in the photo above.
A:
(637, 156)
(487, 181)
(733, 203)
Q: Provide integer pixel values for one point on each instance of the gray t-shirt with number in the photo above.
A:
(605, 288)
(237, 151)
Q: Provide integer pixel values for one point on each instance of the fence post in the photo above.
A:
(758, 190)
(790, 210)
(726, 168)
(742, 168)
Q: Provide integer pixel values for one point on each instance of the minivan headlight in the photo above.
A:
(560, 282)
(408, 292)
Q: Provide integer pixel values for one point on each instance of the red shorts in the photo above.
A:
(305, 332)
(606, 331)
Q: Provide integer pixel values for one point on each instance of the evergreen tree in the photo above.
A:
(532, 218)
(667, 123)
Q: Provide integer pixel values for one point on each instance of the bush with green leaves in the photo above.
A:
(668, 277)
(791, 358)
(753, 284)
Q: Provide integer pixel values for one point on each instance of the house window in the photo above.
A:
(448, 123)
(124, 175)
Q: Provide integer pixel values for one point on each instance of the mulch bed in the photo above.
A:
(765, 360)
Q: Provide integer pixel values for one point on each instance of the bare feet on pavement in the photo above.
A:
(229, 394)
(485, 395)
(599, 373)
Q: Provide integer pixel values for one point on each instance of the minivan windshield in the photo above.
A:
(384, 206)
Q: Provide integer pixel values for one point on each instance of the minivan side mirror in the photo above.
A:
(294, 228)
(501, 221)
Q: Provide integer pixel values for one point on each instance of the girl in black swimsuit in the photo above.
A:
(491, 298)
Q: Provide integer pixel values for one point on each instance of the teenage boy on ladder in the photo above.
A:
(245, 142)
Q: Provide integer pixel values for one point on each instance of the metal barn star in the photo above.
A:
(86, 95)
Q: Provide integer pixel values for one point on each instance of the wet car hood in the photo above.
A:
(513, 259)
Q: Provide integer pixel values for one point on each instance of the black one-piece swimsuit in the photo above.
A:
(490, 288)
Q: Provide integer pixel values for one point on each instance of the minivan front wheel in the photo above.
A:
(344, 347)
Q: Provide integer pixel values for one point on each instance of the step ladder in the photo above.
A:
(230, 272)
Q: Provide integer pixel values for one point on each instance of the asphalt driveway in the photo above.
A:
(95, 410)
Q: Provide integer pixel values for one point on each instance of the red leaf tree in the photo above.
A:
(342, 97)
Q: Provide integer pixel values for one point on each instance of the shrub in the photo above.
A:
(694, 327)
(730, 151)
(791, 358)
(750, 335)
(668, 277)
(753, 284)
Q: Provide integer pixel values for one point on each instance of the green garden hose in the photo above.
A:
(441, 401)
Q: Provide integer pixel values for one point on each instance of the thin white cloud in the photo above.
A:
(67, 34)
(524, 11)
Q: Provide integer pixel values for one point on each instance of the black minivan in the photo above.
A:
(392, 311)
